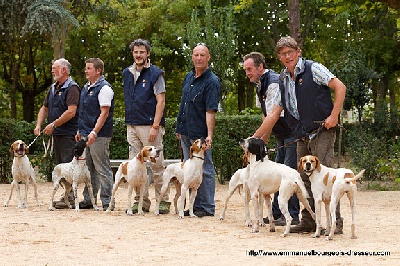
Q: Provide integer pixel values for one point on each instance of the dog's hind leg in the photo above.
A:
(90, 190)
(17, 188)
(162, 192)
(192, 197)
(11, 192)
(129, 202)
(140, 206)
(247, 198)
(177, 195)
(182, 201)
(268, 204)
(33, 180)
(55, 188)
(283, 200)
(114, 190)
(228, 196)
(26, 194)
(328, 218)
(352, 199)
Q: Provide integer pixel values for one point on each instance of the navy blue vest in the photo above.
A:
(57, 105)
(314, 102)
(281, 130)
(89, 110)
(140, 101)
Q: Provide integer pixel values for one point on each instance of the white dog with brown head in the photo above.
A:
(135, 173)
(185, 175)
(328, 185)
(22, 171)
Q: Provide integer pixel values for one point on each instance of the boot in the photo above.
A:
(307, 224)
(339, 221)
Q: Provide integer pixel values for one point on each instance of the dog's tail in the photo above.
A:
(301, 187)
(354, 178)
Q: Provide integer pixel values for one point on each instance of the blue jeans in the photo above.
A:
(205, 193)
(98, 162)
(288, 156)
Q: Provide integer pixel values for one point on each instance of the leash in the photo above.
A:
(46, 147)
(35, 138)
(311, 136)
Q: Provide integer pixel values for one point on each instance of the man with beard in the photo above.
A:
(60, 108)
(144, 96)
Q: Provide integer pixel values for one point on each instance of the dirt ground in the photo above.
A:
(36, 236)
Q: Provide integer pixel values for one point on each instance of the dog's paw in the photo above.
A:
(329, 238)
(248, 223)
(315, 235)
(283, 235)
(272, 229)
(51, 209)
(96, 208)
(180, 217)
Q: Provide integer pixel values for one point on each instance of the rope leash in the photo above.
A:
(46, 148)
(40, 133)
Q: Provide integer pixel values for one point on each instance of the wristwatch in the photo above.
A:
(155, 127)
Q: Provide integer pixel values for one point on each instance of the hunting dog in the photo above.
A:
(134, 172)
(267, 177)
(22, 171)
(185, 175)
(71, 175)
(237, 181)
(328, 185)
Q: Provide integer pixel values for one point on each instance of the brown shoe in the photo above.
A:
(303, 227)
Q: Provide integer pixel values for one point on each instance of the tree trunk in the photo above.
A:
(28, 103)
(241, 94)
(294, 20)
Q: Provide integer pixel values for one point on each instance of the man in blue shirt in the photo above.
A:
(196, 119)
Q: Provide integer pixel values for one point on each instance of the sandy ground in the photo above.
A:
(36, 236)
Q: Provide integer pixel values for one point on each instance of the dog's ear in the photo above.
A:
(191, 152)
(11, 150)
(263, 153)
(318, 164)
(26, 149)
(140, 156)
(300, 165)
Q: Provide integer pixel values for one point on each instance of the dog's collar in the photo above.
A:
(202, 158)
(19, 156)
(81, 159)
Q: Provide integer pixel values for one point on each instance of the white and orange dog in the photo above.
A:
(267, 177)
(135, 173)
(186, 175)
(72, 174)
(328, 185)
(22, 171)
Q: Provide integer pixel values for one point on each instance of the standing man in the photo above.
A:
(144, 94)
(60, 106)
(196, 119)
(267, 83)
(95, 122)
(306, 97)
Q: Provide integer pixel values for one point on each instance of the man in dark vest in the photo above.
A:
(144, 95)
(60, 108)
(267, 86)
(96, 111)
(305, 97)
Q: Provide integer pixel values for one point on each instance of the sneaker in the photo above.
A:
(135, 208)
(85, 205)
(164, 207)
